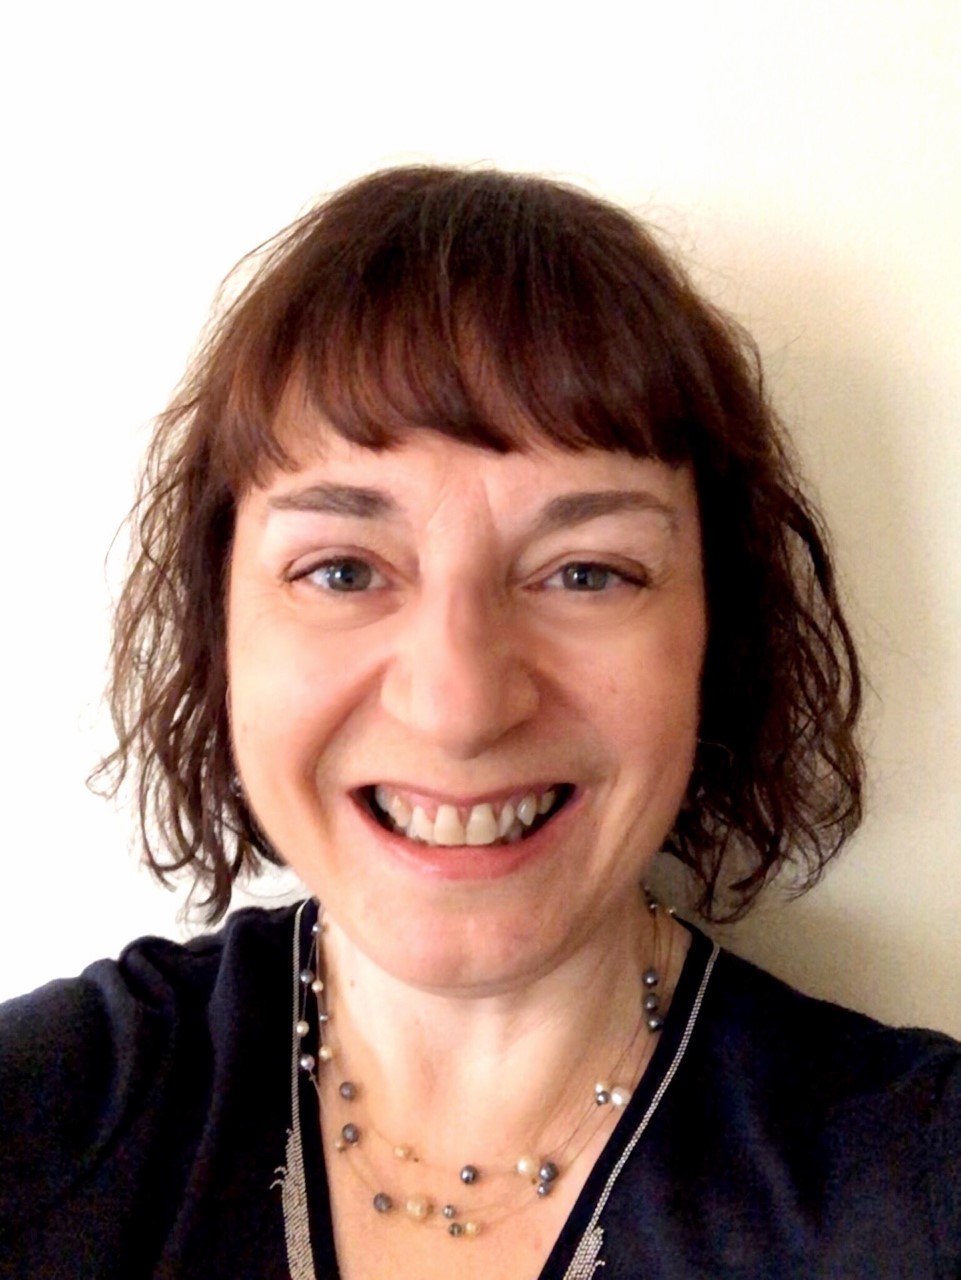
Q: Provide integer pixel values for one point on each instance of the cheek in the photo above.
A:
(289, 689)
(652, 714)
(651, 679)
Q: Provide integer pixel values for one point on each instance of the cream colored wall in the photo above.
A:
(804, 158)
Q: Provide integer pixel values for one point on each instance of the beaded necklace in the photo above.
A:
(537, 1172)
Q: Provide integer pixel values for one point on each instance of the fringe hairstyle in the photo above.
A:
(474, 304)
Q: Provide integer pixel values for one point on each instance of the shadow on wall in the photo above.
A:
(833, 945)
(828, 949)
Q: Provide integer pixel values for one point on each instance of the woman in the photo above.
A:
(472, 571)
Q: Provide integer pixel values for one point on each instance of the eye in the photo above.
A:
(345, 574)
(587, 576)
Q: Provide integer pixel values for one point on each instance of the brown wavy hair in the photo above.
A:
(474, 304)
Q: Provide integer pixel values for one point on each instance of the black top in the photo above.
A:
(145, 1109)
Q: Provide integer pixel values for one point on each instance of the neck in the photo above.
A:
(483, 1074)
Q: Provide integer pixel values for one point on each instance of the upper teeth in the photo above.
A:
(480, 824)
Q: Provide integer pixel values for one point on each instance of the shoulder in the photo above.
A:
(154, 984)
(778, 1035)
(838, 1120)
(102, 1059)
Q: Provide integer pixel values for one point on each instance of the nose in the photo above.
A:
(460, 675)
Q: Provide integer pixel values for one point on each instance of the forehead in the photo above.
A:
(426, 472)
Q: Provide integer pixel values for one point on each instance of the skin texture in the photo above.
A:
(465, 666)
(476, 994)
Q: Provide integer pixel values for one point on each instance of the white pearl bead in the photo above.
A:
(527, 1167)
(303, 1028)
(620, 1096)
(417, 1207)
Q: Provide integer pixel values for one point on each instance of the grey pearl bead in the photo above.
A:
(548, 1171)
(602, 1097)
(306, 977)
(350, 1133)
(347, 1090)
(449, 1211)
(651, 1002)
(469, 1173)
(655, 1022)
(544, 1189)
(383, 1202)
(456, 1229)
(650, 978)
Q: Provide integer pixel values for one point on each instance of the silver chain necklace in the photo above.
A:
(291, 1176)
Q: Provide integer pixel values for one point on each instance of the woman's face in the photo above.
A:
(464, 693)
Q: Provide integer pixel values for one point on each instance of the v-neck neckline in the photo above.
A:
(577, 1248)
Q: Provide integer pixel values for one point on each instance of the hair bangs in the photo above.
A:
(469, 318)
(489, 372)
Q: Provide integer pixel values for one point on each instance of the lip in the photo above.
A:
(467, 862)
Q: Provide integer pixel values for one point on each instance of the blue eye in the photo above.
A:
(344, 575)
(588, 577)
(593, 577)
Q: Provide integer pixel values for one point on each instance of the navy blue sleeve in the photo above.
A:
(143, 1112)
(944, 1174)
(84, 1065)
(59, 1106)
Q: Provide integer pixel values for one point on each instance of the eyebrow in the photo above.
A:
(337, 500)
(577, 508)
(559, 513)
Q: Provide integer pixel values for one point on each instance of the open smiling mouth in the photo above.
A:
(490, 823)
